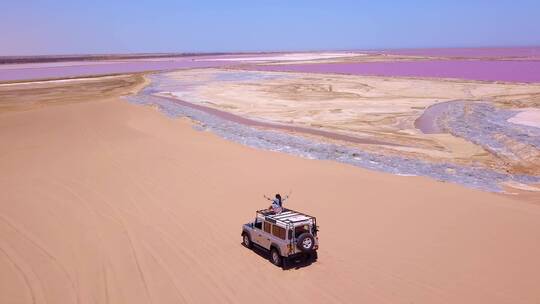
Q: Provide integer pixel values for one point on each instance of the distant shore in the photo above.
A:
(96, 57)
(486, 64)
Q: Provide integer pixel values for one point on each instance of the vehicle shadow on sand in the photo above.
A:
(297, 263)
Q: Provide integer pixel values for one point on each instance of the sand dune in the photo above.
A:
(108, 202)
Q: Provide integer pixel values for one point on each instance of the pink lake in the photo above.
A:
(522, 52)
(487, 70)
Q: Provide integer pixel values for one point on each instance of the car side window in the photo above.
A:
(267, 227)
(258, 224)
(278, 232)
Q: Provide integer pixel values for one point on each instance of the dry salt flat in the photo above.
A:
(478, 177)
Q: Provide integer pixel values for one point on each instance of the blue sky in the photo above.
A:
(69, 27)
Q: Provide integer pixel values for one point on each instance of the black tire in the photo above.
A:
(275, 258)
(305, 242)
(246, 240)
(284, 262)
(314, 256)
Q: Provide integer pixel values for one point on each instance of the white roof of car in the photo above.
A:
(287, 217)
(291, 216)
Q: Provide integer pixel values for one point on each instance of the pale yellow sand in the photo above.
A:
(109, 202)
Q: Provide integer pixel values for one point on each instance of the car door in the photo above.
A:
(256, 235)
(265, 235)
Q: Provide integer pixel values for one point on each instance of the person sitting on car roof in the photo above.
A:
(277, 203)
(277, 200)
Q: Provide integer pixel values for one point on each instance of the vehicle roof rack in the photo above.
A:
(287, 217)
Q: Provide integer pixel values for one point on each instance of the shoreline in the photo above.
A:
(274, 126)
(241, 132)
(476, 63)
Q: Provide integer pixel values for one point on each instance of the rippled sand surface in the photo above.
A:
(104, 201)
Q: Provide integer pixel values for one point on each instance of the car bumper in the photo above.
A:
(301, 255)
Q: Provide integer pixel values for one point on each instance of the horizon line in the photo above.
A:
(195, 53)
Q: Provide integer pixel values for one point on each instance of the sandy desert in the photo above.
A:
(132, 187)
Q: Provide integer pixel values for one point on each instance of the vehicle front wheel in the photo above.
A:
(275, 258)
(246, 240)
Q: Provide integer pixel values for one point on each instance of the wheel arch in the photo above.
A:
(274, 245)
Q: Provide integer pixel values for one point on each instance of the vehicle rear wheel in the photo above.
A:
(314, 256)
(246, 240)
(275, 258)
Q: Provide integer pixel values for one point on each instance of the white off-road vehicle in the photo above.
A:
(287, 235)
